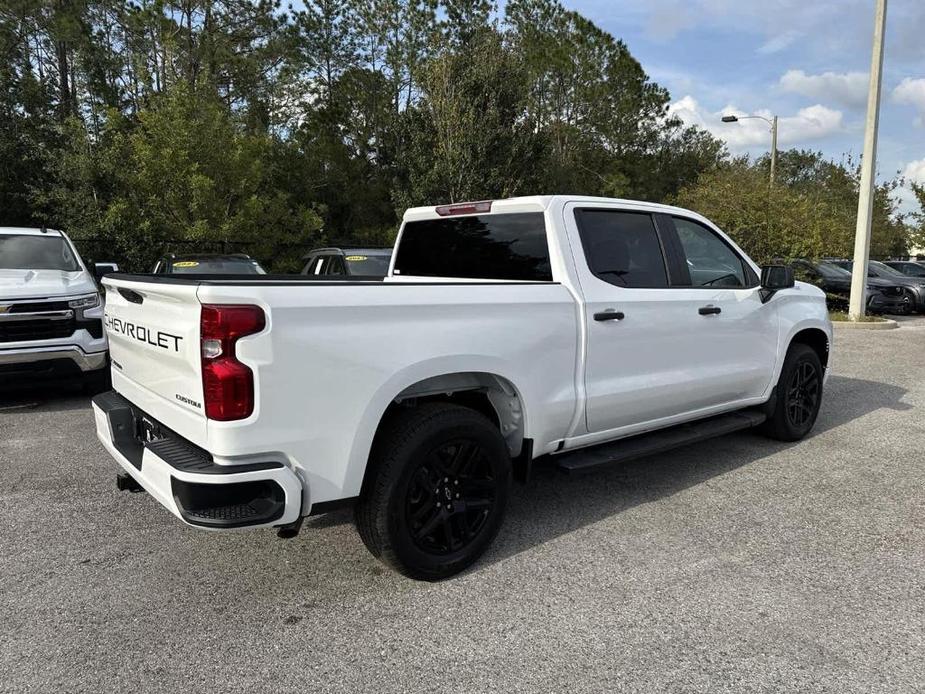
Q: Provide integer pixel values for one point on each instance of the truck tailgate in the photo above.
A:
(153, 333)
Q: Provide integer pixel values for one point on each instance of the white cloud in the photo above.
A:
(778, 43)
(914, 171)
(911, 91)
(811, 123)
(848, 88)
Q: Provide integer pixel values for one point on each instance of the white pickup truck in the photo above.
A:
(583, 331)
(50, 310)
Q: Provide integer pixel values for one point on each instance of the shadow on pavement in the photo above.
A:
(554, 504)
(45, 397)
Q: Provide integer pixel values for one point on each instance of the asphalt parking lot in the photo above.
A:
(734, 565)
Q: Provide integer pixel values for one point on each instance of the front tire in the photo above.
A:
(436, 491)
(799, 395)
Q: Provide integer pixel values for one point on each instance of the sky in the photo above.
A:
(806, 61)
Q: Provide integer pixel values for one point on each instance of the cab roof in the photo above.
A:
(533, 203)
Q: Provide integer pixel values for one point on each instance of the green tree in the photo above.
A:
(606, 122)
(185, 174)
(468, 138)
(810, 212)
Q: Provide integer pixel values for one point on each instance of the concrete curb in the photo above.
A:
(886, 324)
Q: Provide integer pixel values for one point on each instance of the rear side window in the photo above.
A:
(622, 248)
(495, 247)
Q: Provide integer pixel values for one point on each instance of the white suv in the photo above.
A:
(50, 309)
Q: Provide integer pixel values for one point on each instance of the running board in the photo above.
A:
(592, 458)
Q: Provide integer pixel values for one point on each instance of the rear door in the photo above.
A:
(153, 329)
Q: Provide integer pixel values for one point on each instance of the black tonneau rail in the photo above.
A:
(233, 279)
(293, 280)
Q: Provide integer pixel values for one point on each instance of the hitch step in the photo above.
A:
(127, 483)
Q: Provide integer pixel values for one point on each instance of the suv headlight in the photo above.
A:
(85, 302)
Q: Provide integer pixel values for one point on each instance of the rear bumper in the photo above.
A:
(188, 483)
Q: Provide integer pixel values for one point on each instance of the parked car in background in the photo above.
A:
(50, 309)
(882, 295)
(910, 268)
(208, 264)
(588, 329)
(350, 262)
(913, 287)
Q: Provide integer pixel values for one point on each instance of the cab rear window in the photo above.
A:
(491, 247)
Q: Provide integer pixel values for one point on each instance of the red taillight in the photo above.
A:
(227, 384)
(464, 208)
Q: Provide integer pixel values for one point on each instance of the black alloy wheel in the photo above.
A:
(436, 490)
(793, 410)
(803, 394)
(450, 497)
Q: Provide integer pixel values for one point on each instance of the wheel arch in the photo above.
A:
(484, 388)
(817, 340)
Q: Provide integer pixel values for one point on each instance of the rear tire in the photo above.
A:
(436, 492)
(799, 395)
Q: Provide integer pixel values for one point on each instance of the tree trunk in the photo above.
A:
(64, 89)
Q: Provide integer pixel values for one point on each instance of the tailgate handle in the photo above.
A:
(131, 295)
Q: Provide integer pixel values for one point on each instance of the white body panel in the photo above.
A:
(334, 356)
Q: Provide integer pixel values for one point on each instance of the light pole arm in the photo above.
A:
(772, 125)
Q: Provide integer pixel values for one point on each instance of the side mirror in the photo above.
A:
(100, 270)
(773, 279)
(776, 277)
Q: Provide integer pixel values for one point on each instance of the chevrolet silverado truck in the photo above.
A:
(51, 314)
(578, 331)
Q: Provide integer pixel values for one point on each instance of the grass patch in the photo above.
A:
(843, 316)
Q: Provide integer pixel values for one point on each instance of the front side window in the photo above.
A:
(832, 271)
(491, 247)
(622, 248)
(710, 261)
(28, 252)
(883, 270)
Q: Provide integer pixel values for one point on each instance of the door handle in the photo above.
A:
(709, 310)
(609, 315)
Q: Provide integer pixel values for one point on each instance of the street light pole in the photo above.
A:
(857, 303)
(773, 149)
(772, 124)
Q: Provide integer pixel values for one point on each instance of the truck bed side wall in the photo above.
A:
(334, 358)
